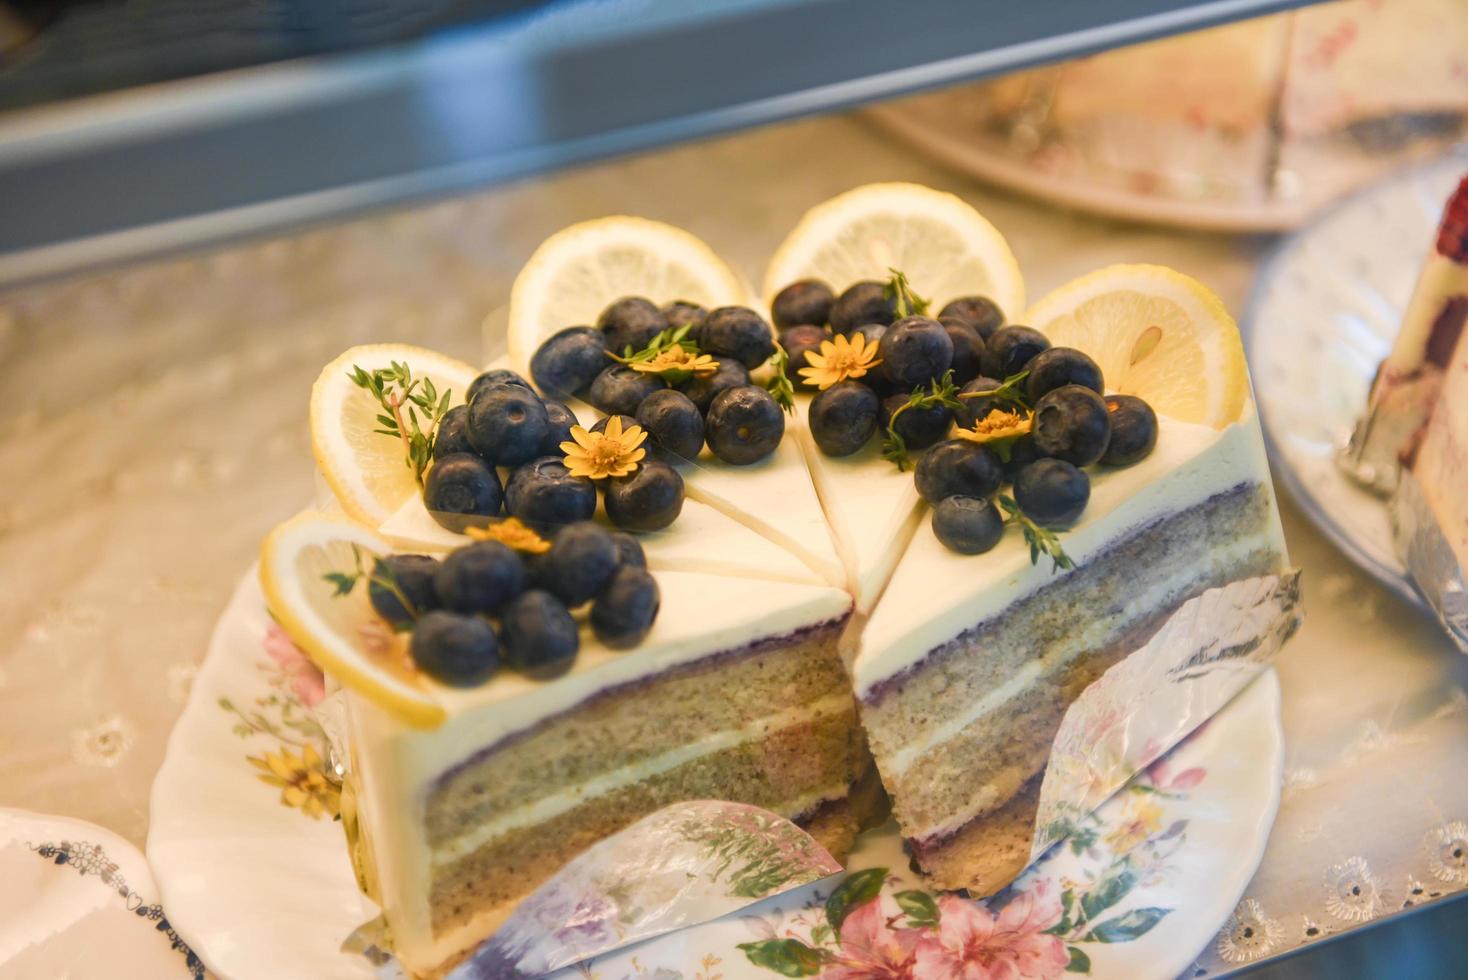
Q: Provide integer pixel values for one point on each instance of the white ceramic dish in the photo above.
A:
(1325, 310)
(263, 890)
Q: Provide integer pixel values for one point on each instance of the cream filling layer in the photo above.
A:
(935, 594)
(555, 804)
(1021, 680)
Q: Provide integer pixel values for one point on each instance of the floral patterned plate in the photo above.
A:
(254, 873)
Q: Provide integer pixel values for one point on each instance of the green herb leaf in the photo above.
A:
(904, 301)
(779, 386)
(1011, 392)
(662, 341)
(941, 392)
(394, 387)
(1042, 540)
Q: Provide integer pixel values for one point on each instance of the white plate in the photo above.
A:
(261, 890)
(1325, 310)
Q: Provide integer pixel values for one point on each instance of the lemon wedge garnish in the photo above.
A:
(1155, 333)
(341, 633)
(944, 246)
(580, 270)
(366, 470)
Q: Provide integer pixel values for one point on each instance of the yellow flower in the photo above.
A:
(302, 781)
(998, 424)
(840, 358)
(512, 534)
(611, 452)
(678, 364)
(1143, 818)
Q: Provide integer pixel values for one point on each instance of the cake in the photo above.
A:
(689, 553)
(1411, 444)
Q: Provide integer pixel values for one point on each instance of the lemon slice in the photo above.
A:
(341, 633)
(368, 471)
(1157, 334)
(580, 270)
(946, 248)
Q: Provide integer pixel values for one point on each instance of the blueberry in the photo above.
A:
(544, 494)
(1009, 350)
(744, 425)
(460, 651)
(872, 333)
(1072, 423)
(980, 312)
(864, 302)
(631, 322)
(807, 301)
(1052, 492)
(600, 425)
(798, 342)
(622, 616)
(1022, 452)
(618, 390)
(673, 423)
(1133, 430)
(648, 499)
(968, 353)
(494, 379)
(914, 351)
(629, 552)
(479, 578)
(918, 427)
(957, 467)
(731, 374)
(460, 488)
(559, 420)
(569, 361)
(681, 313)
(975, 409)
(967, 525)
(539, 636)
(453, 433)
(737, 332)
(402, 577)
(1058, 366)
(844, 417)
(580, 563)
(508, 425)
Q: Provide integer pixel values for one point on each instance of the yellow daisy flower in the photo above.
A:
(997, 425)
(840, 358)
(611, 452)
(678, 364)
(512, 534)
(302, 781)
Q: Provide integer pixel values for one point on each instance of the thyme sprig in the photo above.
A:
(1011, 392)
(779, 385)
(381, 575)
(905, 302)
(1042, 540)
(395, 389)
(940, 392)
(662, 342)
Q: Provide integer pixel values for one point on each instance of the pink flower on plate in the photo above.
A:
(308, 684)
(972, 943)
(871, 949)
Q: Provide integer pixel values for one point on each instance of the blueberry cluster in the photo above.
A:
(485, 605)
(679, 371)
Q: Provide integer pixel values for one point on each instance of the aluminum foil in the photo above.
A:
(1429, 557)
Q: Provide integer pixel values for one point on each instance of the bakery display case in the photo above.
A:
(1135, 662)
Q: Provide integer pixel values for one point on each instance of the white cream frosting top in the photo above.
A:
(935, 593)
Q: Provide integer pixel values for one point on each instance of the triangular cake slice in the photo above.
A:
(872, 508)
(737, 694)
(969, 661)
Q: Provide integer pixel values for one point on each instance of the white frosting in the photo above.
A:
(935, 594)
(872, 507)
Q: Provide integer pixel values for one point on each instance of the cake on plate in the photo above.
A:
(1411, 444)
(674, 547)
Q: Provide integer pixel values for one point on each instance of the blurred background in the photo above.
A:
(201, 202)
